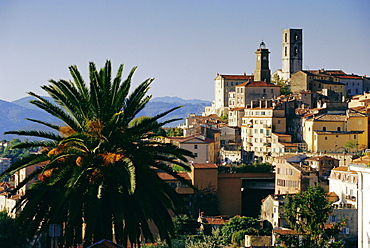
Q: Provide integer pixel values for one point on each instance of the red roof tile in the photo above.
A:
(238, 77)
(205, 166)
(257, 84)
(350, 77)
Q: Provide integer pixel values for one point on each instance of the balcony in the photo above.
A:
(267, 144)
(350, 198)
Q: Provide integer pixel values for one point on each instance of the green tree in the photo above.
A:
(206, 201)
(225, 117)
(236, 224)
(284, 87)
(15, 154)
(100, 179)
(184, 225)
(306, 213)
(174, 132)
(10, 232)
(349, 145)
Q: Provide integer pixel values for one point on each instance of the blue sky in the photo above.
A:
(182, 44)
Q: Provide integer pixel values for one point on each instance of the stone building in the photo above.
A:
(292, 52)
(330, 131)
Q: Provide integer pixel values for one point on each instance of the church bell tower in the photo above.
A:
(262, 71)
(292, 52)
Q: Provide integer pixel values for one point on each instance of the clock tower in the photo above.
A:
(262, 71)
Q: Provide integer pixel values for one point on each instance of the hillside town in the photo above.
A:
(310, 126)
(316, 133)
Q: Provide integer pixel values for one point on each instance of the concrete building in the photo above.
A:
(272, 211)
(194, 122)
(363, 200)
(354, 84)
(252, 91)
(316, 80)
(260, 120)
(293, 174)
(224, 84)
(200, 146)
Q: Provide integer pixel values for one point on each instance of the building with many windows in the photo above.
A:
(259, 122)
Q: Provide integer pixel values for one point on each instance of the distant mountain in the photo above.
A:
(13, 114)
(175, 99)
(13, 117)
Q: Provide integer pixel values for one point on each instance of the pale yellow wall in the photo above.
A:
(331, 142)
(360, 124)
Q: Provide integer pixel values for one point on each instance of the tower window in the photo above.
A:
(286, 37)
(295, 51)
(296, 37)
(286, 51)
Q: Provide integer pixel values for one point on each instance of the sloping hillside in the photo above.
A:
(13, 114)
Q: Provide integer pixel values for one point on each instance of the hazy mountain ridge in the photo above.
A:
(13, 114)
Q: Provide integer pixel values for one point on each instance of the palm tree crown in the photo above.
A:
(100, 179)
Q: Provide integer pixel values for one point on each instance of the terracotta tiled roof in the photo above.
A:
(282, 134)
(362, 160)
(215, 221)
(341, 168)
(205, 166)
(288, 144)
(332, 194)
(350, 77)
(258, 84)
(329, 117)
(238, 77)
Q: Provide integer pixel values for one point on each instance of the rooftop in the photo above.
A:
(257, 84)
(237, 77)
(205, 166)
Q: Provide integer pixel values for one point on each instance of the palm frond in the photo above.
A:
(53, 126)
(35, 133)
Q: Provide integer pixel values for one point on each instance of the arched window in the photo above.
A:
(338, 128)
(286, 37)
(324, 129)
(286, 51)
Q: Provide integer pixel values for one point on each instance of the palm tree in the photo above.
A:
(100, 180)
